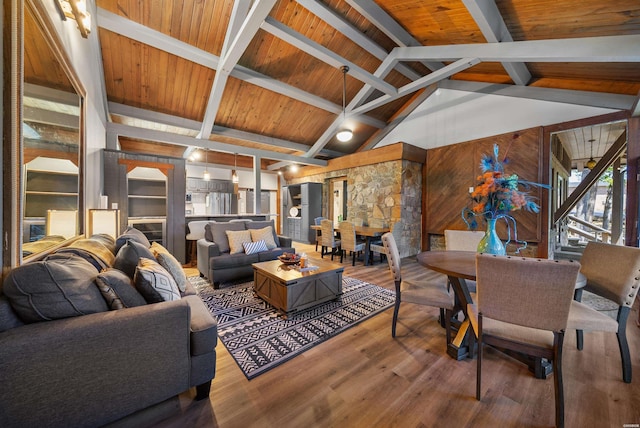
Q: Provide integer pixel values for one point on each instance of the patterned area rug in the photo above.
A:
(259, 339)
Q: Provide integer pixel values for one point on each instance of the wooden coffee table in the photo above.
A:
(289, 290)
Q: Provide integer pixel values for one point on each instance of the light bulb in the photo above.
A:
(344, 135)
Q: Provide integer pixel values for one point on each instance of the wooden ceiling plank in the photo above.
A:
(325, 55)
(182, 140)
(332, 18)
(389, 26)
(486, 14)
(586, 49)
(566, 96)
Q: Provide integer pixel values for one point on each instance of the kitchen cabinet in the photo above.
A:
(301, 204)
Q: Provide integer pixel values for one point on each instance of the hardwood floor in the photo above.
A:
(365, 378)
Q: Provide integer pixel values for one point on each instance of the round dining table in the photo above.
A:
(460, 267)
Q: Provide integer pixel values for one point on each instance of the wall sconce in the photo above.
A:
(62, 223)
(104, 221)
(77, 10)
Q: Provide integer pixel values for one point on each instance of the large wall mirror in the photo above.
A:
(52, 140)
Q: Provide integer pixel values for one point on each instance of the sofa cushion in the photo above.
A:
(262, 225)
(58, 287)
(94, 251)
(218, 232)
(233, 261)
(8, 317)
(129, 255)
(208, 233)
(237, 239)
(131, 233)
(255, 247)
(118, 290)
(154, 282)
(265, 234)
(171, 264)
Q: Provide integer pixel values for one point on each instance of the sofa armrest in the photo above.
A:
(143, 351)
(206, 250)
(285, 241)
(204, 327)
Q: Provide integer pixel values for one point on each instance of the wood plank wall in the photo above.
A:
(451, 170)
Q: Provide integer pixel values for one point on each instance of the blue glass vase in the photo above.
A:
(490, 242)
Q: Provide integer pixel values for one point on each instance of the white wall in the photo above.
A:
(450, 116)
(268, 180)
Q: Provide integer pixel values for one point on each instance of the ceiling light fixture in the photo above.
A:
(591, 163)
(344, 134)
(76, 10)
(234, 174)
(206, 176)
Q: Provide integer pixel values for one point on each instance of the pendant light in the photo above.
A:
(234, 174)
(206, 176)
(344, 134)
(591, 163)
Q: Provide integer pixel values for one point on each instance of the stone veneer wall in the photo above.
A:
(383, 194)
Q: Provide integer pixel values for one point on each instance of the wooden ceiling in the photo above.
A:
(264, 77)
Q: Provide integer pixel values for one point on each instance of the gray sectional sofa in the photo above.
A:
(81, 346)
(216, 261)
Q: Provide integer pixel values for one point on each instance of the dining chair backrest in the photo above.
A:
(357, 221)
(318, 220)
(347, 236)
(326, 226)
(529, 292)
(462, 240)
(393, 256)
(612, 271)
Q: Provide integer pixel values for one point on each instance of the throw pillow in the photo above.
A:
(262, 225)
(118, 290)
(154, 282)
(236, 239)
(128, 256)
(60, 287)
(265, 234)
(131, 233)
(173, 266)
(254, 247)
(219, 233)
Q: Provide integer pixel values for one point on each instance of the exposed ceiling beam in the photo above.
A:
(53, 95)
(230, 58)
(429, 79)
(338, 22)
(635, 108)
(586, 49)
(389, 26)
(490, 22)
(38, 115)
(183, 140)
(318, 51)
(566, 96)
(193, 125)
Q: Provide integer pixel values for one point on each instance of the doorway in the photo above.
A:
(338, 199)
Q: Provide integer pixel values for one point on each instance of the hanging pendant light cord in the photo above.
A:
(344, 69)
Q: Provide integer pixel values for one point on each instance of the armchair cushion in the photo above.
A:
(55, 288)
(118, 290)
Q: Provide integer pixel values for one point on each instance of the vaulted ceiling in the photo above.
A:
(264, 77)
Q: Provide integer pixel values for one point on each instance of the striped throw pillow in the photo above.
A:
(254, 247)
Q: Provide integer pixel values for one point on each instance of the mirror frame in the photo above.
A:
(13, 83)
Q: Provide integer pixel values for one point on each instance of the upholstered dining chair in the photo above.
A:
(328, 238)
(612, 272)
(522, 304)
(378, 247)
(462, 240)
(429, 289)
(349, 242)
(317, 221)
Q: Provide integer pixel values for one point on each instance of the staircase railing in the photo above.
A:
(592, 233)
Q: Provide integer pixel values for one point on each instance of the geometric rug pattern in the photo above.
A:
(259, 339)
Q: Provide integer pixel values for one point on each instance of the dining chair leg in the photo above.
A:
(623, 314)
(557, 377)
(396, 309)
(479, 361)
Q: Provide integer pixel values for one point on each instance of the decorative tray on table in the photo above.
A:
(289, 259)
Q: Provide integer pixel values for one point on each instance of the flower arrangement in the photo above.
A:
(497, 194)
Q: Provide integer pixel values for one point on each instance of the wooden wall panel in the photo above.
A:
(451, 170)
